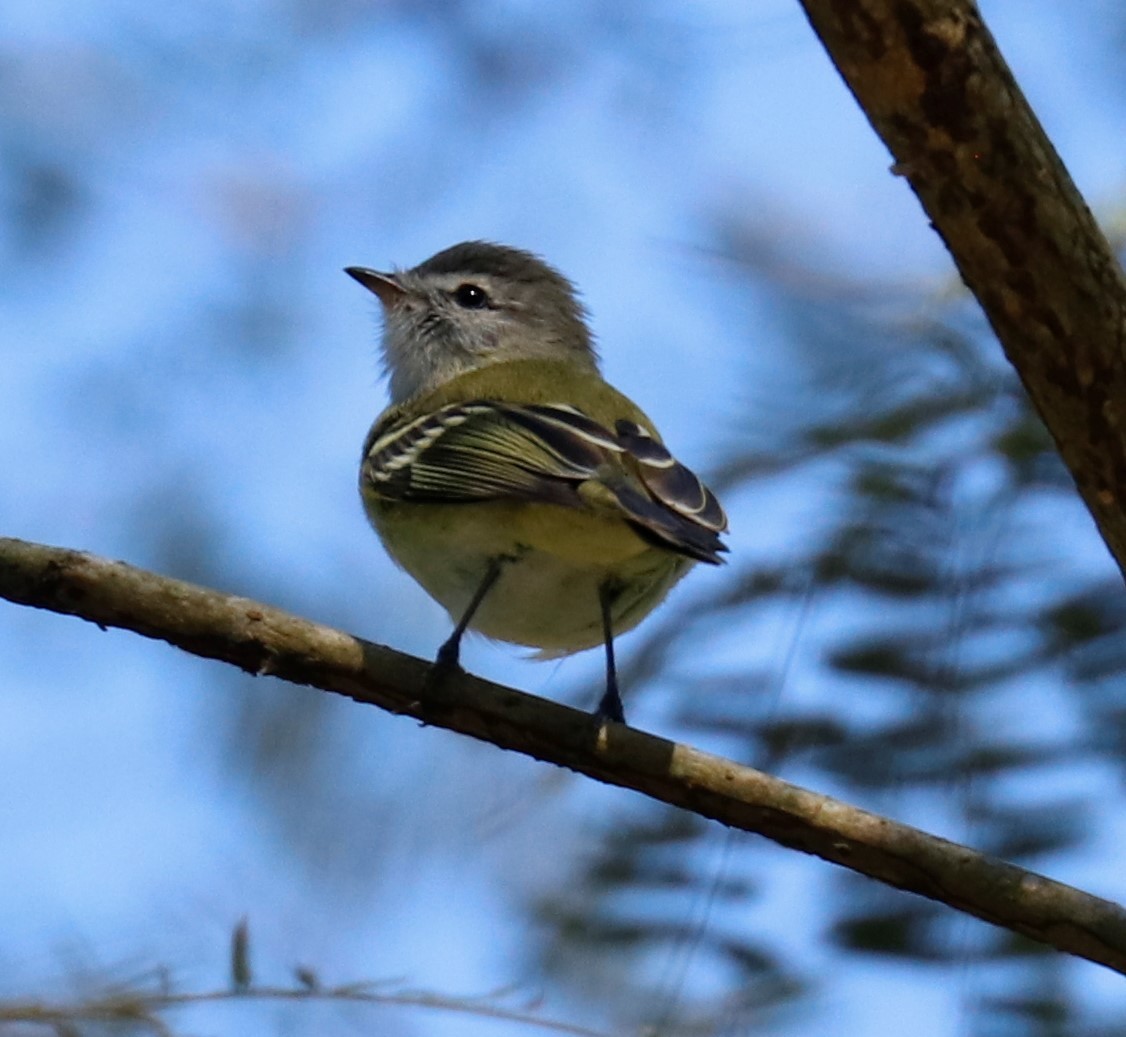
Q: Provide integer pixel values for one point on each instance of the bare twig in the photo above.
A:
(143, 1008)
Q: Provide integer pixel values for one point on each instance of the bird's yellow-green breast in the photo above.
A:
(548, 594)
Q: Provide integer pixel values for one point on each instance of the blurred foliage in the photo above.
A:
(941, 579)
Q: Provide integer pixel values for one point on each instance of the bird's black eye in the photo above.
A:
(471, 297)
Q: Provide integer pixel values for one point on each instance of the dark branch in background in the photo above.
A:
(264, 640)
(928, 75)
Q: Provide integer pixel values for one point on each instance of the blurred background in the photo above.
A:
(918, 615)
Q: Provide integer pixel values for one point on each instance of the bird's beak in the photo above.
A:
(386, 286)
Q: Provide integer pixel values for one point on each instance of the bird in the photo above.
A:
(532, 500)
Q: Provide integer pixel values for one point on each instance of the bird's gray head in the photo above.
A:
(470, 305)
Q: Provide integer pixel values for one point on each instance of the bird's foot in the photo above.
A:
(610, 708)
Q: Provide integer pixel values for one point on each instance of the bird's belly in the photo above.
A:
(555, 561)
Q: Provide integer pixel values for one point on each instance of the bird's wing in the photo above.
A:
(489, 450)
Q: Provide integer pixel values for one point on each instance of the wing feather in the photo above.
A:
(489, 450)
(672, 483)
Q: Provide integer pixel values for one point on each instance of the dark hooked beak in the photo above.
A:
(386, 286)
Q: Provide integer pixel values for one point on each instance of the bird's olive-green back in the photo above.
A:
(524, 381)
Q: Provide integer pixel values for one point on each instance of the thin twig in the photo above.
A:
(141, 1008)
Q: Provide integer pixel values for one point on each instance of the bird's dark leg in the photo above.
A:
(450, 651)
(610, 708)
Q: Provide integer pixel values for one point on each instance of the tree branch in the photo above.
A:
(264, 640)
(928, 75)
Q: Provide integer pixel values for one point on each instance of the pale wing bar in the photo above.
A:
(484, 450)
(480, 451)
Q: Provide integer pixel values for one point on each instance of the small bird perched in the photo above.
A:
(526, 495)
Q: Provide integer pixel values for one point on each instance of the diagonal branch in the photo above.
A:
(265, 640)
(934, 86)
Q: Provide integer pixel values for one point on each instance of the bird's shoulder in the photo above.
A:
(531, 382)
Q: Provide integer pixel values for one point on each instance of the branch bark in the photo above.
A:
(934, 86)
(265, 640)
